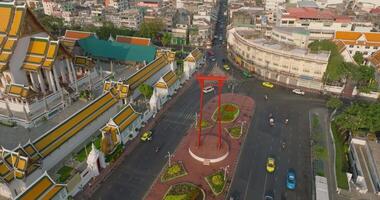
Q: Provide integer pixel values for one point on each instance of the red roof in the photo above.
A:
(313, 13)
(76, 35)
(133, 40)
(375, 10)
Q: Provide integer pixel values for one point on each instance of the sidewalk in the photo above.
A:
(195, 169)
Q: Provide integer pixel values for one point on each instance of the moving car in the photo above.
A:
(291, 179)
(146, 136)
(269, 195)
(268, 84)
(226, 67)
(247, 74)
(208, 89)
(271, 166)
(298, 91)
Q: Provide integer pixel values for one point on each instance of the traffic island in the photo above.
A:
(201, 171)
(173, 171)
(183, 191)
(217, 182)
(235, 132)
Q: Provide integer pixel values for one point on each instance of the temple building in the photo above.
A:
(35, 69)
(192, 62)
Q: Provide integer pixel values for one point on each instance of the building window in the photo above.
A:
(275, 64)
(306, 70)
(351, 46)
(350, 52)
(365, 53)
(284, 66)
(367, 47)
(291, 22)
(295, 68)
(317, 72)
(375, 47)
(344, 25)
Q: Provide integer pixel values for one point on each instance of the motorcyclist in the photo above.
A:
(283, 145)
(266, 97)
(157, 149)
(286, 121)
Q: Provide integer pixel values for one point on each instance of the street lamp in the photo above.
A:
(225, 170)
(241, 127)
(169, 156)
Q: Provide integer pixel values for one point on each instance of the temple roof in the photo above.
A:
(133, 40)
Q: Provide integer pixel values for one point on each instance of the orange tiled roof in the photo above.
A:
(76, 35)
(133, 40)
(375, 59)
(352, 38)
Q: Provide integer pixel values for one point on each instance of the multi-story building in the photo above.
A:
(297, 36)
(366, 43)
(181, 23)
(131, 18)
(272, 5)
(366, 5)
(322, 24)
(167, 14)
(285, 64)
(247, 16)
(118, 4)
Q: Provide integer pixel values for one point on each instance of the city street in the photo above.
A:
(135, 175)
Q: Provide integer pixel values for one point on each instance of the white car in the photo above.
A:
(208, 89)
(298, 91)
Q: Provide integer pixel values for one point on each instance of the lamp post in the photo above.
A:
(169, 156)
(225, 170)
(241, 127)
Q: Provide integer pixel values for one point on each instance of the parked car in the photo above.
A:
(208, 89)
(268, 84)
(271, 165)
(213, 59)
(247, 74)
(291, 179)
(146, 136)
(226, 67)
(298, 91)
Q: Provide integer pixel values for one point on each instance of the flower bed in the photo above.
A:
(176, 170)
(229, 113)
(216, 181)
(205, 124)
(184, 191)
(235, 132)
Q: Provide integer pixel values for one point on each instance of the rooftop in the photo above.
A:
(289, 30)
(313, 13)
(252, 37)
(117, 51)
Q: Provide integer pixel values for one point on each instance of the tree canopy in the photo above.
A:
(146, 90)
(151, 28)
(358, 57)
(166, 39)
(334, 103)
(360, 118)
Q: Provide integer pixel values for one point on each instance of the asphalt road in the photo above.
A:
(251, 181)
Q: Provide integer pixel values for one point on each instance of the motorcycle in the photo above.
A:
(283, 145)
(271, 122)
(157, 149)
(286, 121)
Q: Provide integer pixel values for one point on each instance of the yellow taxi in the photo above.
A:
(146, 136)
(271, 166)
(268, 84)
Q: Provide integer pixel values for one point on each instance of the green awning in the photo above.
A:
(117, 51)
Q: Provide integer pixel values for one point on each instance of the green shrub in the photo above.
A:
(174, 169)
(217, 179)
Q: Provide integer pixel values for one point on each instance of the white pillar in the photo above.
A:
(52, 81)
(41, 82)
(56, 78)
(63, 75)
(48, 79)
(69, 71)
(32, 79)
(3, 81)
(75, 76)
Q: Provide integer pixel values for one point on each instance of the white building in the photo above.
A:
(366, 43)
(131, 18)
(282, 63)
(35, 70)
(163, 90)
(366, 5)
(322, 24)
(272, 5)
(297, 36)
(192, 62)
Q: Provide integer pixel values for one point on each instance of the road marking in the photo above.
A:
(270, 148)
(246, 188)
(265, 184)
